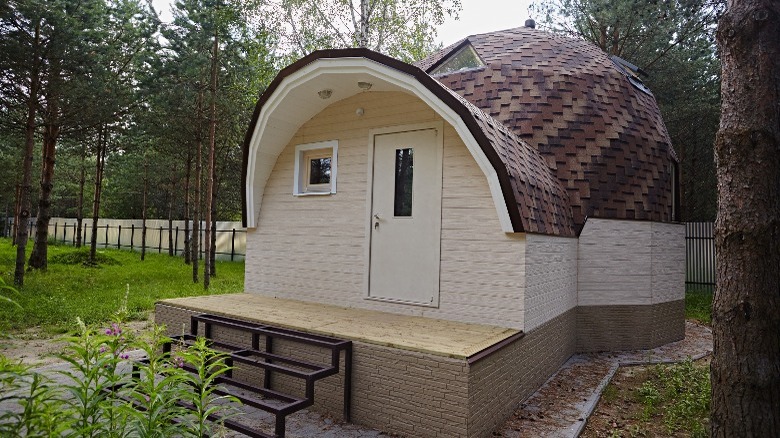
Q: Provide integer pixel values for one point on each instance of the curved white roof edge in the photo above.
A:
(264, 145)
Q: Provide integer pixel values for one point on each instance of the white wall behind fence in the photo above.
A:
(127, 234)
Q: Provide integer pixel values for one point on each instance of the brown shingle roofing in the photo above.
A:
(604, 139)
(535, 200)
(539, 196)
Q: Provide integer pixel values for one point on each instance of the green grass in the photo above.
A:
(53, 299)
(698, 306)
(678, 394)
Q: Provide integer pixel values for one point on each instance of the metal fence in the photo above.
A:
(700, 256)
(127, 234)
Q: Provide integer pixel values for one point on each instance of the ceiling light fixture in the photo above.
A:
(325, 94)
(365, 85)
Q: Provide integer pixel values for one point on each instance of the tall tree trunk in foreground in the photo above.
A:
(22, 232)
(212, 146)
(102, 145)
(746, 310)
(51, 132)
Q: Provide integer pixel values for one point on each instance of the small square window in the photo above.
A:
(315, 168)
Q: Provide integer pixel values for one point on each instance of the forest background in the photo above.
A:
(107, 111)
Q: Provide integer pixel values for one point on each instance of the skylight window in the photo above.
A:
(631, 72)
(464, 59)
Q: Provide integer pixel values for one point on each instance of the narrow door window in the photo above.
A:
(404, 175)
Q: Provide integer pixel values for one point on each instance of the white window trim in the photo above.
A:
(299, 184)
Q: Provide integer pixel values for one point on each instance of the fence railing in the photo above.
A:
(700, 256)
(127, 234)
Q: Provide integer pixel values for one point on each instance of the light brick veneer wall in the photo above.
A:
(321, 240)
(550, 278)
(500, 382)
(631, 285)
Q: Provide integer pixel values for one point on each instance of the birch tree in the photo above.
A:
(403, 29)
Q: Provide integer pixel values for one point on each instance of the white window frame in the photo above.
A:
(300, 181)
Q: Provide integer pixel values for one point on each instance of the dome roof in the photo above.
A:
(587, 114)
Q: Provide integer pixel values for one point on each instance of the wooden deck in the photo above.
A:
(414, 333)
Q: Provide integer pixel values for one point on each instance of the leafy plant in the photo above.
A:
(106, 395)
(158, 384)
(208, 365)
(681, 394)
(4, 289)
(37, 412)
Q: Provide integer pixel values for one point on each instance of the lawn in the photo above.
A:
(53, 299)
(698, 305)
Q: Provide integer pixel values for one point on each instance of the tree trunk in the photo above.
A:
(39, 256)
(364, 22)
(198, 178)
(171, 197)
(213, 265)
(80, 209)
(187, 238)
(212, 147)
(102, 145)
(17, 211)
(143, 211)
(746, 309)
(29, 147)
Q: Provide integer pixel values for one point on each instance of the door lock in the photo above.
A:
(376, 221)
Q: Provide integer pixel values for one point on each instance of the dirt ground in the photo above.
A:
(619, 411)
(39, 348)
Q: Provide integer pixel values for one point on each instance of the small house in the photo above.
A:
(469, 221)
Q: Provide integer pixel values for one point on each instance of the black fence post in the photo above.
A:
(119, 238)
(64, 233)
(105, 242)
(132, 235)
(176, 242)
(75, 232)
(159, 244)
(55, 231)
(233, 245)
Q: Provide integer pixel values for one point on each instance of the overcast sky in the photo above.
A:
(477, 16)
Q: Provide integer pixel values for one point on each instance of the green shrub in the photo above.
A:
(101, 398)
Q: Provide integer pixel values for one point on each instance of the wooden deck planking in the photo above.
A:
(424, 335)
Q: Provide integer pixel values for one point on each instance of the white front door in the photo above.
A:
(406, 217)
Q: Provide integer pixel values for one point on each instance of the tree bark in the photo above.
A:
(143, 211)
(746, 309)
(212, 147)
(39, 256)
(102, 145)
(29, 147)
(198, 177)
(80, 209)
(187, 237)
(17, 211)
(171, 197)
(213, 243)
